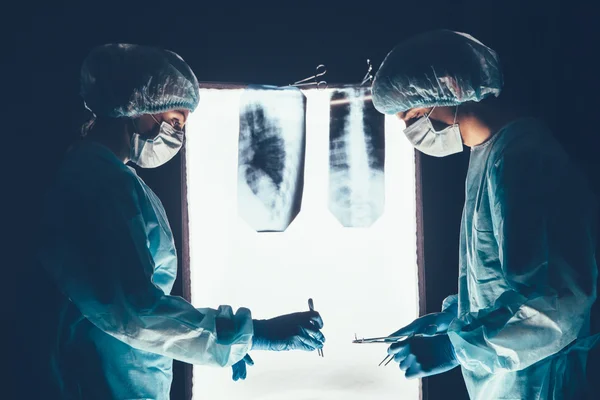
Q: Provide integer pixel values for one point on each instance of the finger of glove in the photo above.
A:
(248, 360)
(407, 362)
(313, 333)
(402, 354)
(412, 328)
(430, 330)
(307, 343)
(415, 371)
(235, 372)
(243, 372)
(398, 347)
(431, 324)
(314, 320)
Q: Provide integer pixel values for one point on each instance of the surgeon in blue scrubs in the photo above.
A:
(519, 326)
(108, 246)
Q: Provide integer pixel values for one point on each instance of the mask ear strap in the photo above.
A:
(152, 115)
(430, 112)
(455, 114)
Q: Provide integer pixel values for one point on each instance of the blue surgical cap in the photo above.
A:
(439, 68)
(124, 80)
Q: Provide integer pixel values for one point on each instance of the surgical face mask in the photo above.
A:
(154, 152)
(441, 143)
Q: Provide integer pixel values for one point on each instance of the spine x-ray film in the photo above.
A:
(356, 158)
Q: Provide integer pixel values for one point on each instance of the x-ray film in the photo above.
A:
(271, 156)
(356, 158)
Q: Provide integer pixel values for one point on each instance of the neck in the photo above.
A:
(479, 125)
(116, 139)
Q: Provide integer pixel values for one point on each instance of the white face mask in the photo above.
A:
(426, 139)
(154, 152)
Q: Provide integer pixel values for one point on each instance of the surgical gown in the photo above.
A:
(109, 248)
(528, 270)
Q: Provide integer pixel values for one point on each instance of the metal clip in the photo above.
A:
(320, 71)
(368, 77)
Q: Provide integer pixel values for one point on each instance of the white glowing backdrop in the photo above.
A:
(362, 281)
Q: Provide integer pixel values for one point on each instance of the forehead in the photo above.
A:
(419, 110)
(412, 111)
(184, 113)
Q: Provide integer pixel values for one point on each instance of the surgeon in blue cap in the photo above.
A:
(108, 246)
(519, 326)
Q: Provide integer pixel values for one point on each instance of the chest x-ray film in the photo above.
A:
(271, 156)
(362, 281)
(356, 158)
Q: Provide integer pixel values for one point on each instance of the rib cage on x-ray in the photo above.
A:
(356, 158)
(271, 156)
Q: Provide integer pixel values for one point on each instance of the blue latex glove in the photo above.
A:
(424, 356)
(298, 331)
(239, 368)
(427, 325)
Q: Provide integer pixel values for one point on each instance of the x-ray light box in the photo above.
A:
(346, 236)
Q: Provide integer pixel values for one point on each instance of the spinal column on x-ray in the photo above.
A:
(271, 156)
(356, 158)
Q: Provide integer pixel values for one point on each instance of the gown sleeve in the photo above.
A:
(98, 250)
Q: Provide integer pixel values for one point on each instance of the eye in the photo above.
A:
(176, 123)
(416, 114)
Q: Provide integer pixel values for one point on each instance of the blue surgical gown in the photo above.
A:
(528, 270)
(109, 248)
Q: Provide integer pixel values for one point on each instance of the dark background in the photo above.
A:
(547, 48)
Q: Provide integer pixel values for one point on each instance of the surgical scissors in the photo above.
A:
(387, 340)
(311, 307)
(320, 71)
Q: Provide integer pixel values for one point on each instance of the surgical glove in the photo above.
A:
(298, 331)
(427, 325)
(424, 356)
(239, 368)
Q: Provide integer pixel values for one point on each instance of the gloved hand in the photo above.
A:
(298, 331)
(239, 368)
(424, 356)
(427, 325)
